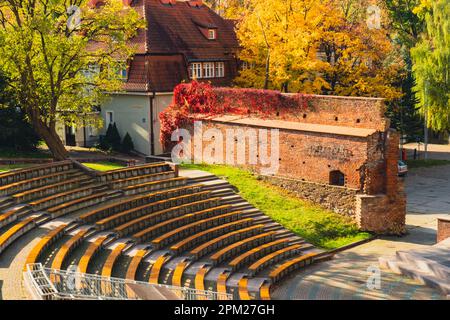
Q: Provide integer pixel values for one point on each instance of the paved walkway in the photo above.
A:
(348, 274)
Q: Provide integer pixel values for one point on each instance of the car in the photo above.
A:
(402, 168)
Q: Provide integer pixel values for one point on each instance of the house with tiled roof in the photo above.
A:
(183, 40)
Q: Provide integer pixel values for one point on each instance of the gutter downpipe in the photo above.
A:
(152, 130)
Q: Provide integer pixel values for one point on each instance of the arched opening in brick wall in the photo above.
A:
(337, 178)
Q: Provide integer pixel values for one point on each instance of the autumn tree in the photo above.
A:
(60, 57)
(431, 64)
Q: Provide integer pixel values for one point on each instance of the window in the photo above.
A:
(220, 69)
(91, 71)
(196, 71)
(123, 74)
(211, 34)
(208, 70)
(337, 178)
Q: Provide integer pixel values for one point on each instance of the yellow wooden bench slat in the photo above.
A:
(156, 269)
(111, 260)
(22, 182)
(236, 261)
(14, 229)
(8, 214)
(257, 264)
(34, 254)
(264, 291)
(243, 289)
(143, 176)
(177, 277)
(76, 201)
(200, 278)
(275, 272)
(31, 191)
(135, 263)
(217, 256)
(222, 282)
(66, 248)
(58, 195)
(168, 235)
(89, 253)
(34, 168)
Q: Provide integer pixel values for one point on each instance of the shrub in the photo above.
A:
(111, 140)
(15, 132)
(127, 144)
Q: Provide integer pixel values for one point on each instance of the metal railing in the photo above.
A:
(50, 284)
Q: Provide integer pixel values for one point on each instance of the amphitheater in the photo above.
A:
(129, 231)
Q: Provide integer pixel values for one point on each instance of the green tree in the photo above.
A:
(127, 143)
(59, 66)
(431, 64)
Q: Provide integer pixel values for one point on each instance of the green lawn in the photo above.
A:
(8, 153)
(426, 163)
(103, 166)
(321, 227)
(4, 168)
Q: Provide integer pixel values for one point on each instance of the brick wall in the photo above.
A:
(443, 231)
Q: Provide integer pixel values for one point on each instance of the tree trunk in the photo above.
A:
(266, 78)
(51, 138)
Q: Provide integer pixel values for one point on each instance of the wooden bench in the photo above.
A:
(199, 280)
(289, 266)
(77, 204)
(121, 183)
(10, 216)
(240, 246)
(137, 201)
(215, 234)
(59, 198)
(243, 289)
(92, 250)
(49, 189)
(189, 229)
(156, 268)
(135, 263)
(112, 258)
(221, 284)
(273, 258)
(177, 278)
(45, 243)
(67, 248)
(133, 171)
(154, 185)
(257, 253)
(264, 291)
(135, 213)
(34, 171)
(16, 231)
(36, 182)
(230, 232)
(176, 222)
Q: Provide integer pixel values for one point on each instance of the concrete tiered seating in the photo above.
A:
(10, 216)
(135, 263)
(67, 248)
(91, 251)
(241, 246)
(289, 266)
(274, 257)
(33, 172)
(45, 243)
(112, 258)
(16, 231)
(50, 189)
(257, 253)
(168, 225)
(137, 201)
(61, 198)
(135, 171)
(187, 230)
(79, 203)
(220, 234)
(156, 269)
(34, 183)
(138, 218)
(154, 186)
(122, 183)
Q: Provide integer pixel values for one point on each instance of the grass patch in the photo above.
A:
(5, 168)
(9, 153)
(104, 166)
(426, 163)
(321, 227)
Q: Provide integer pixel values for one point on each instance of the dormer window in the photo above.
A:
(212, 34)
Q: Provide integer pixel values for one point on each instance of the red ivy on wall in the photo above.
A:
(199, 99)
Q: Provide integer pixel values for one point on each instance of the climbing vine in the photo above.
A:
(198, 99)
